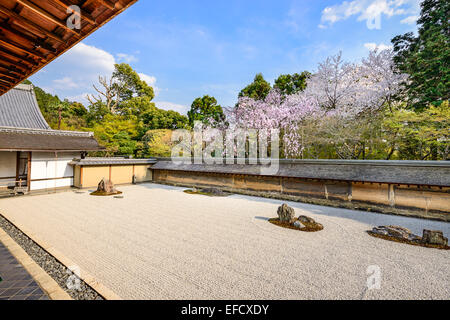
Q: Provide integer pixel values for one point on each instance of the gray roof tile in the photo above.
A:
(19, 109)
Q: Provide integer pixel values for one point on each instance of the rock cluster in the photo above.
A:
(429, 237)
(286, 215)
(213, 191)
(396, 232)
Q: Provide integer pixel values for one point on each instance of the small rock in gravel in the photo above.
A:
(298, 224)
(434, 237)
(310, 222)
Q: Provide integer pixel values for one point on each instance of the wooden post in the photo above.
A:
(29, 172)
(17, 167)
(81, 177)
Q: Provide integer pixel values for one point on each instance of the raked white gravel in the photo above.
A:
(161, 243)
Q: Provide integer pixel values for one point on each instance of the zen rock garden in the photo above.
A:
(287, 219)
(430, 238)
(106, 188)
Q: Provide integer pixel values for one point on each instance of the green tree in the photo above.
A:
(157, 143)
(135, 106)
(290, 84)
(258, 89)
(419, 136)
(118, 134)
(97, 112)
(130, 84)
(124, 85)
(156, 118)
(426, 58)
(205, 110)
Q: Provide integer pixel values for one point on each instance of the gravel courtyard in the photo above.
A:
(161, 243)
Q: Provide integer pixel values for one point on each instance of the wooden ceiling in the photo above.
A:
(35, 32)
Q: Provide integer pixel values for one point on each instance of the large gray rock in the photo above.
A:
(106, 186)
(434, 237)
(396, 232)
(286, 214)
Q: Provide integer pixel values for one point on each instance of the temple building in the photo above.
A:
(32, 156)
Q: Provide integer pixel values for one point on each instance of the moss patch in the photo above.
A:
(105, 194)
(202, 193)
(277, 222)
(412, 243)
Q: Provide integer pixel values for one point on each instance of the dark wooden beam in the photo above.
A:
(5, 81)
(30, 24)
(108, 4)
(17, 56)
(13, 65)
(10, 70)
(46, 15)
(6, 74)
(36, 42)
(15, 46)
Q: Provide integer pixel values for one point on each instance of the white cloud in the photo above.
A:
(151, 81)
(372, 46)
(65, 83)
(410, 20)
(84, 57)
(368, 10)
(80, 98)
(172, 106)
(128, 58)
(73, 74)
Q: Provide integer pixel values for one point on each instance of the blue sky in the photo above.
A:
(186, 49)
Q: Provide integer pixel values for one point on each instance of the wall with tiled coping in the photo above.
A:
(414, 188)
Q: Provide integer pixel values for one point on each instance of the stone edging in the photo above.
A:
(102, 290)
(50, 286)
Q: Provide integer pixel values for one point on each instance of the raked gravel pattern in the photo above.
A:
(161, 243)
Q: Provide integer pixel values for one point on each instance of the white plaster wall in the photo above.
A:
(7, 168)
(51, 166)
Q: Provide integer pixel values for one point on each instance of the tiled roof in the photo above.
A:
(19, 109)
(17, 139)
(111, 161)
(429, 173)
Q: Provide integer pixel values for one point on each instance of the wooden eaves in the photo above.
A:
(35, 32)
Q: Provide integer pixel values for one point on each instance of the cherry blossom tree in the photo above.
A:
(275, 112)
(352, 89)
(339, 96)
